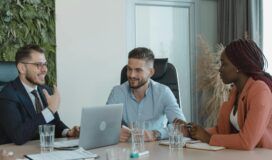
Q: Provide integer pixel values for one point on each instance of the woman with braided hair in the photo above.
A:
(245, 120)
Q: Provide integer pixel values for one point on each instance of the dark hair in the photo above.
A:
(25, 51)
(142, 53)
(248, 58)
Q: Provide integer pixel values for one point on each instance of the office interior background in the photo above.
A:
(93, 38)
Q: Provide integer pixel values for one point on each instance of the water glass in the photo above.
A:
(175, 136)
(117, 154)
(137, 136)
(47, 137)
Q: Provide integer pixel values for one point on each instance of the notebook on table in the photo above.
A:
(203, 146)
(195, 144)
(185, 141)
(63, 155)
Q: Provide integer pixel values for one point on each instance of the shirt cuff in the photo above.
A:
(47, 114)
(164, 133)
(64, 132)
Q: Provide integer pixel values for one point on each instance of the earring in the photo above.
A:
(237, 70)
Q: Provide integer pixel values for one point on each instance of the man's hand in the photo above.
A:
(197, 132)
(53, 100)
(149, 136)
(124, 134)
(4, 155)
(74, 132)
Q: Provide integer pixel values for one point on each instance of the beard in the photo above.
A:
(31, 80)
(139, 85)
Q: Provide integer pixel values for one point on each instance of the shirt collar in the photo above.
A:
(28, 88)
(150, 82)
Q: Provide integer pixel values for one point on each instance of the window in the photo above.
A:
(267, 33)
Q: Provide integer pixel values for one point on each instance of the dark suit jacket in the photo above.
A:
(18, 119)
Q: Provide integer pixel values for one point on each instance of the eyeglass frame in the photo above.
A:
(39, 65)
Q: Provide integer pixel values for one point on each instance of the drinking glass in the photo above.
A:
(47, 137)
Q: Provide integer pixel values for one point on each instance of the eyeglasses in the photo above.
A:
(39, 65)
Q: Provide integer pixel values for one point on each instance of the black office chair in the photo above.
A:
(165, 73)
(8, 72)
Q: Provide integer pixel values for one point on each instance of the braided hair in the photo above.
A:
(248, 58)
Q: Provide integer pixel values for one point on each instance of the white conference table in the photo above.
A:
(159, 152)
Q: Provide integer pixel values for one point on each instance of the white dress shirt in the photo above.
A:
(234, 120)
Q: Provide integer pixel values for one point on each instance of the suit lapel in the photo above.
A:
(24, 97)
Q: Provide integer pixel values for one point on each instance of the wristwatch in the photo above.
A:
(157, 134)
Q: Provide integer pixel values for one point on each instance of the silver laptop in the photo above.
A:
(100, 126)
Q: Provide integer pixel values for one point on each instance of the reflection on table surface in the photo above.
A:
(158, 152)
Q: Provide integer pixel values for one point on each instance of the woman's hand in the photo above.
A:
(185, 131)
(197, 132)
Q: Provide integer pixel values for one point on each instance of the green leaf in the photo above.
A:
(28, 21)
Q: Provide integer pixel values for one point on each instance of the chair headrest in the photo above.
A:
(160, 65)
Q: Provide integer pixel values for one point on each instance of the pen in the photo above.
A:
(189, 126)
(140, 154)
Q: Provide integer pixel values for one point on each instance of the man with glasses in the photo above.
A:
(26, 103)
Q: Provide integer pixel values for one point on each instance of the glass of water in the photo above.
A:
(175, 136)
(137, 136)
(47, 137)
(117, 154)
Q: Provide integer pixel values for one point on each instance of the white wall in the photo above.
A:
(91, 51)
